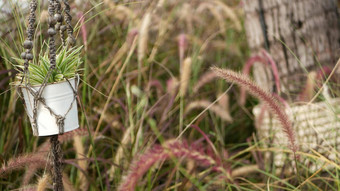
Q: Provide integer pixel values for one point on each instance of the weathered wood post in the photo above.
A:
(307, 28)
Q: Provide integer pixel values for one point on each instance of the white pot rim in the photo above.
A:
(59, 82)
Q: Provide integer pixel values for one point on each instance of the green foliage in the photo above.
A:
(131, 106)
(67, 65)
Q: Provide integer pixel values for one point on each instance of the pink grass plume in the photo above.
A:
(182, 46)
(266, 97)
(170, 149)
(23, 161)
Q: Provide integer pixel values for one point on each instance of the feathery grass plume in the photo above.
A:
(171, 148)
(186, 14)
(215, 11)
(162, 26)
(172, 86)
(229, 13)
(185, 76)
(80, 153)
(23, 161)
(143, 37)
(267, 98)
(140, 166)
(205, 78)
(182, 47)
(44, 148)
(241, 171)
(29, 173)
(43, 182)
(308, 92)
(110, 4)
(120, 12)
(218, 110)
(66, 137)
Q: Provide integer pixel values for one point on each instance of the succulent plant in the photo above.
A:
(67, 65)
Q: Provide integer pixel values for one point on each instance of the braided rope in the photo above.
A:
(55, 145)
(59, 18)
(57, 156)
(68, 19)
(28, 55)
(28, 44)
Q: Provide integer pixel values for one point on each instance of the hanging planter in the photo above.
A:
(58, 97)
(56, 106)
(48, 84)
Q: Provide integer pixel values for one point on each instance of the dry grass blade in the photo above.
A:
(143, 37)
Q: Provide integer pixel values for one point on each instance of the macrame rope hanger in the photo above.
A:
(59, 20)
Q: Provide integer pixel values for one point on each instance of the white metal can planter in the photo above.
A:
(60, 99)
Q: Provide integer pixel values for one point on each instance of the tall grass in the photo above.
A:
(146, 77)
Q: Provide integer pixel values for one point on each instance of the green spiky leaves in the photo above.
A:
(67, 65)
